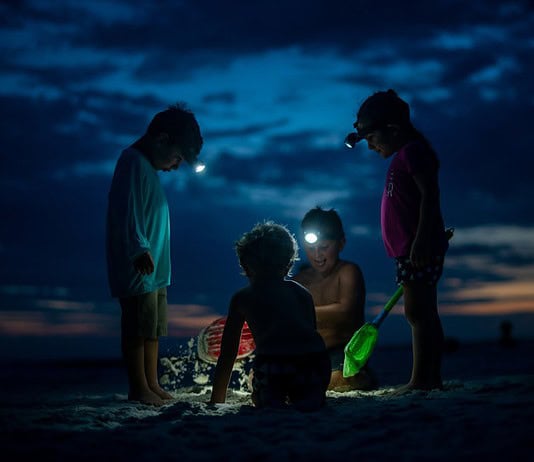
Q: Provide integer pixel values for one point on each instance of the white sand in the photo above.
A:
(485, 419)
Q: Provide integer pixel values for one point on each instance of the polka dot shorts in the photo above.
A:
(428, 275)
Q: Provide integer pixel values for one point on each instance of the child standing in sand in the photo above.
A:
(338, 290)
(291, 363)
(412, 223)
(138, 250)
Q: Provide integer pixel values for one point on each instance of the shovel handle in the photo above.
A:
(388, 306)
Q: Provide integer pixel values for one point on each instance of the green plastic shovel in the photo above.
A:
(361, 345)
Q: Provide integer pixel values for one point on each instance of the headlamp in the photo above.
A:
(199, 167)
(311, 237)
(191, 157)
(351, 139)
(361, 132)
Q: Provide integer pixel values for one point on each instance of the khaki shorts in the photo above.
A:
(145, 315)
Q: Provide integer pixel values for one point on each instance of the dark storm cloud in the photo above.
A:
(56, 77)
(484, 165)
(55, 231)
(225, 97)
(48, 133)
(211, 28)
(246, 130)
(209, 24)
(293, 157)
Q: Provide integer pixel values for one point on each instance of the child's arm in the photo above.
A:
(229, 347)
(427, 183)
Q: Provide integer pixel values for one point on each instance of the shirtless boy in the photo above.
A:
(338, 290)
(291, 364)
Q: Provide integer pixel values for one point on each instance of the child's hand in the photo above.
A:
(419, 254)
(144, 264)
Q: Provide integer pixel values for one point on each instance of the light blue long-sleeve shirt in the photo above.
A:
(137, 222)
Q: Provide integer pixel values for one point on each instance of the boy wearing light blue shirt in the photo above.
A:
(138, 242)
(133, 232)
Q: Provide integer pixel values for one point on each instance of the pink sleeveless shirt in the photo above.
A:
(401, 200)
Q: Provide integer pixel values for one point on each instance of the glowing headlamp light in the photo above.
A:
(191, 157)
(351, 139)
(199, 167)
(311, 237)
(362, 131)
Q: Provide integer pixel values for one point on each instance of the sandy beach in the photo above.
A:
(79, 411)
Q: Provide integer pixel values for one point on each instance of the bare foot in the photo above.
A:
(401, 390)
(164, 395)
(410, 387)
(146, 397)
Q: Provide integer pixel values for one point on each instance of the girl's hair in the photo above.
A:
(268, 248)
(386, 107)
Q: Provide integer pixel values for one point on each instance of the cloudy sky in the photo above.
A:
(275, 87)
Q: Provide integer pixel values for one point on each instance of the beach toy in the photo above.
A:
(361, 345)
(209, 341)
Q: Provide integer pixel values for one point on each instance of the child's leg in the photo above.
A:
(307, 391)
(151, 352)
(133, 352)
(156, 324)
(269, 387)
(420, 306)
(363, 380)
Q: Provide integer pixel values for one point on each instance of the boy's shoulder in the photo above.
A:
(130, 153)
(349, 272)
(130, 158)
(348, 266)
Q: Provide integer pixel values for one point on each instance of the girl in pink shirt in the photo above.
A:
(412, 224)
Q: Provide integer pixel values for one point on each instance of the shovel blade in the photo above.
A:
(359, 349)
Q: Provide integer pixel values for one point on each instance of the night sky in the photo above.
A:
(275, 87)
